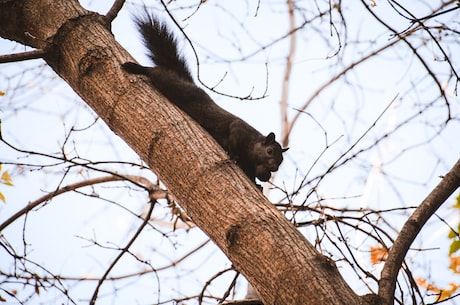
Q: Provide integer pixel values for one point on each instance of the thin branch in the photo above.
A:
(350, 67)
(71, 187)
(449, 183)
(34, 54)
(244, 302)
(125, 249)
(342, 156)
(197, 61)
(433, 39)
(287, 74)
(230, 288)
(137, 273)
(200, 298)
(113, 12)
(417, 54)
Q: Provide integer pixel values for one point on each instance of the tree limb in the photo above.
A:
(34, 54)
(449, 183)
(113, 12)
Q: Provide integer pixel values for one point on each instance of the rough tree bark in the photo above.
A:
(277, 260)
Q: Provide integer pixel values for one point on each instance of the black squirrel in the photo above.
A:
(254, 153)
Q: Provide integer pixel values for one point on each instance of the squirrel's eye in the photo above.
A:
(270, 151)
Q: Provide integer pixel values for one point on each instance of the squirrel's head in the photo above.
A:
(268, 155)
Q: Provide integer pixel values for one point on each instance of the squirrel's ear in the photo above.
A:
(285, 149)
(270, 139)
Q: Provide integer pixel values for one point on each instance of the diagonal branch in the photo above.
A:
(449, 183)
(417, 54)
(125, 249)
(323, 87)
(287, 74)
(72, 187)
(114, 10)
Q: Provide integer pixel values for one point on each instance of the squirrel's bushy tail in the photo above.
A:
(162, 46)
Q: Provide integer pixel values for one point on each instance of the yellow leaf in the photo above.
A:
(457, 202)
(6, 176)
(6, 179)
(2, 198)
(455, 264)
(443, 294)
(378, 254)
(448, 292)
(452, 234)
(421, 282)
(454, 247)
(2, 93)
(431, 287)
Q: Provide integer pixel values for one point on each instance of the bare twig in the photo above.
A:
(347, 69)
(287, 74)
(34, 54)
(72, 187)
(417, 54)
(200, 298)
(126, 248)
(244, 302)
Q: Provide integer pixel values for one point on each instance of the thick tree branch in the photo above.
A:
(449, 183)
(273, 255)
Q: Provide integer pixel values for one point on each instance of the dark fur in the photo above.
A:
(256, 154)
